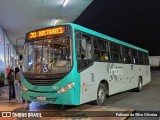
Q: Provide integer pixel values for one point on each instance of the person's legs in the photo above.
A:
(16, 88)
(9, 92)
(19, 92)
(13, 92)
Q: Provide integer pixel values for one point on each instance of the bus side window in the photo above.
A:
(115, 51)
(100, 50)
(126, 55)
(140, 58)
(134, 56)
(146, 59)
(84, 51)
(83, 48)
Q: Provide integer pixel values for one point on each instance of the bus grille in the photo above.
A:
(43, 82)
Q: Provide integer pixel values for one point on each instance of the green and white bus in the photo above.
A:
(70, 65)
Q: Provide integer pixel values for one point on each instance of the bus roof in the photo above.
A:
(92, 32)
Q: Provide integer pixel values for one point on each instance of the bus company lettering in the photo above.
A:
(116, 71)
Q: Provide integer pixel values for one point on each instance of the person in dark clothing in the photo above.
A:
(17, 84)
(11, 84)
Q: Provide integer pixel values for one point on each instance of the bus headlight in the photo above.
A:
(24, 88)
(65, 88)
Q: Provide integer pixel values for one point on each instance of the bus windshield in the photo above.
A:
(48, 56)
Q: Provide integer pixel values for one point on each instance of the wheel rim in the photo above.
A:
(140, 85)
(101, 95)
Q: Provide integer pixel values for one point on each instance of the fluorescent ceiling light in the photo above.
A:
(65, 2)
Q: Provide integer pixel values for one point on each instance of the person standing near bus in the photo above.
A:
(10, 78)
(20, 74)
(17, 84)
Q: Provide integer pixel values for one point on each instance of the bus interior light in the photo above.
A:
(66, 88)
(65, 2)
(55, 21)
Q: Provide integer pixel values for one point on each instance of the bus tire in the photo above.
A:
(140, 85)
(101, 95)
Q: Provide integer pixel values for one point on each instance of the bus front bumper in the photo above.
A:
(54, 97)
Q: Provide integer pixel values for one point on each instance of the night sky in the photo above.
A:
(134, 21)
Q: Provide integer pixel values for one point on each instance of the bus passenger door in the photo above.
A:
(84, 65)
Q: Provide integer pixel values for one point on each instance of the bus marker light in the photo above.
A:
(85, 89)
(66, 88)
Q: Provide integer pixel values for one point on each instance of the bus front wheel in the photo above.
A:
(101, 95)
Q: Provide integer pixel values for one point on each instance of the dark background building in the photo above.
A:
(134, 21)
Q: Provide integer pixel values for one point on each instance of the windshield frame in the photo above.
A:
(51, 75)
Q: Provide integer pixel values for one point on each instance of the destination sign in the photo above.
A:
(46, 32)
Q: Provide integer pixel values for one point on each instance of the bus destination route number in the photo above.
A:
(46, 32)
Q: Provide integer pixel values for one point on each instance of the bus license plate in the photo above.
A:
(41, 98)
